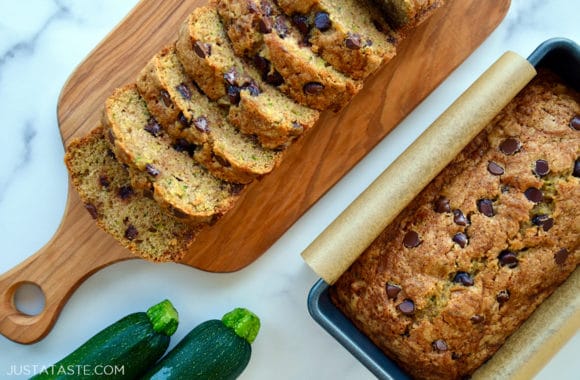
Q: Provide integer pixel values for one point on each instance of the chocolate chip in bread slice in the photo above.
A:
(350, 35)
(255, 106)
(178, 182)
(134, 220)
(191, 118)
(260, 31)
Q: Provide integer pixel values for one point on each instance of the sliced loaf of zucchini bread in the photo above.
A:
(259, 30)
(191, 118)
(350, 35)
(255, 106)
(178, 183)
(136, 221)
(407, 14)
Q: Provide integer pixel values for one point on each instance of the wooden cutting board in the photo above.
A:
(270, 206)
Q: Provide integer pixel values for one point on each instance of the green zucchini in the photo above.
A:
(214, 350)
(123, 350)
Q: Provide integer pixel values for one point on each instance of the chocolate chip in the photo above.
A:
(183, 120)
(104, 181)
(92, 210)
(461, 239)
(263, 65)
(252, 88)
(111, 154)
(541, 168)
(494, 168)
(152, 170)
(131, 233)
(411, 239)
(442, 205)
(463, 278)
(575, 123)
(353, 41)
(393, 291)
(459, 218)
(544, 221)
(202, 50)
(440, 345)
(265, 25)
(125, 192)
(301, 23)
(281, 26)
(576, 172)
(503, 296)
(166, 98)
(313, 88)
(153, 127)
(274, 78)
(510, 146)
(322, 21)
(534, 195)
(561, 256)
(508, 258)
(236, 188)
(201, 124)
(485, 206)
(234, 94)
(231, 76)
(455, 356)
(407, 307)
(266, 7)
(476, 319)
(184, 91)
(182, 145)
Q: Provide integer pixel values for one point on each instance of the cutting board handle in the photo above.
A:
(77, 250)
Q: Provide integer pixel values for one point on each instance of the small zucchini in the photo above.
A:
(214, 350)
(123, 350)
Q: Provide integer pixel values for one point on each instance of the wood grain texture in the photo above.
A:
(269, 206)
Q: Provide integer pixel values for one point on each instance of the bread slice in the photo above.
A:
(259, 30)
(350, 35)
(255, 107)
(135, 221)
(178, 183)
(404, 15)
(190, 117)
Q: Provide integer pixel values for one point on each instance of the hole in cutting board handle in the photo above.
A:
(28, 298)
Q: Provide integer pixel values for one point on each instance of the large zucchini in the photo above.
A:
(214, 350)
(123, 350)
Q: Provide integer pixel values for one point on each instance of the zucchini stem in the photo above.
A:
(244, 323)
(164, 318)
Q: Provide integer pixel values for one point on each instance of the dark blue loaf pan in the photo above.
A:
(560, 55)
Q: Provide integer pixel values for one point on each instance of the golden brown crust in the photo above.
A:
(481, 247)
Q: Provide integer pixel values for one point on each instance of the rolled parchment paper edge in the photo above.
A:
(340, 244)
(534, 343)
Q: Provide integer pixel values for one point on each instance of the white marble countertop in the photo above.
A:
(41, 42)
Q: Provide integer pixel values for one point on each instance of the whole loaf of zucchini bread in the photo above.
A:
(491, 237)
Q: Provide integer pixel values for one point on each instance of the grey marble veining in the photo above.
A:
(41, 42)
